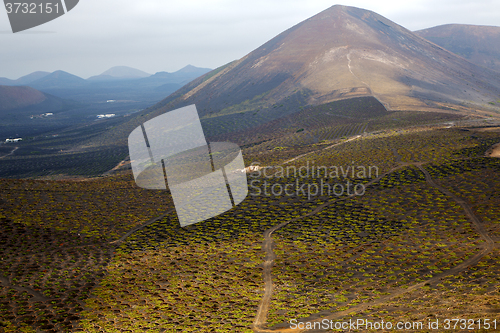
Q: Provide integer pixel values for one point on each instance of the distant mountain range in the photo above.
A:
(74, 101)
(117, 83)
(478, 44)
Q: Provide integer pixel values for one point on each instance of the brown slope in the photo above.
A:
(338, 53)
(18, 97)
(478, 44)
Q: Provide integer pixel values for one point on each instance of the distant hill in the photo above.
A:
(24, 80)
(27, 112)
(188, 71)
(120, 73)
(18, 97)
(192, 70)
(27, 79)
(5, 81)
(183, 75)
(59, 79)
(478, 44)
(19, 104)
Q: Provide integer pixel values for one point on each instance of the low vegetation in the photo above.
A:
(408, 249)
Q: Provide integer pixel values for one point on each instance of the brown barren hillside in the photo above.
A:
(478, 44)
(17, 97)
(339, 53)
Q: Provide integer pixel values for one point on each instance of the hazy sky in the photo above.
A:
(165, 35)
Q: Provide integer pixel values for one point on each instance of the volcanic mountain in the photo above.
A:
(339, 53)
(478, 44)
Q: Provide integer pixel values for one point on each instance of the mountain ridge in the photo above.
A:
(479, 44)
(111, 74)
(357, 53)
(152, 88)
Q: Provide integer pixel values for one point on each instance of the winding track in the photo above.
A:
(12, 152)
(329, 147)
(467, 208)
(268, 243)
(268, 246)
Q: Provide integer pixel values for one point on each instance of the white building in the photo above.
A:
(109, 115)
(13, 140)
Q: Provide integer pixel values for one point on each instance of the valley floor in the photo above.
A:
(420, 245)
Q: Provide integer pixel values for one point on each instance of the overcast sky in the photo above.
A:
(165, 35)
